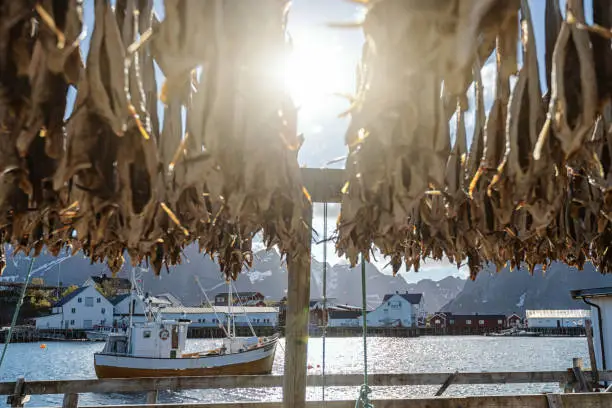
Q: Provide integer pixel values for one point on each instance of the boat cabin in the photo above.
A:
(161, 339)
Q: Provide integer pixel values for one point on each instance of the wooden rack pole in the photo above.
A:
(296, 334)
(589, 335)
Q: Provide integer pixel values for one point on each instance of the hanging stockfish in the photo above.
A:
(533, 187)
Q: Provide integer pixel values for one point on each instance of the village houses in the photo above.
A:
(83, 308)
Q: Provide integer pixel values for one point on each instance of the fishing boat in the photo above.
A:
(156, 348)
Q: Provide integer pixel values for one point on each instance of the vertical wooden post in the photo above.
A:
(589, 334)
(581, 384)
(152, 397)
(70, 401)
(296, 326)
(18, 398)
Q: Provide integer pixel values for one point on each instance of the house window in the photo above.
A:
(203, 320)
(452, 321)
(499, 322)
(468, 322)
(146, 334)
(103, 310)
(437, 321)
(79, 300)
(98, 300)
(481, 322)
(73, 310)
(72, 322)
(89, 302)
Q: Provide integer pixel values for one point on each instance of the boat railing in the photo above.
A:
(576, 384)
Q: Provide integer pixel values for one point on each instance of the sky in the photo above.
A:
(321, 66)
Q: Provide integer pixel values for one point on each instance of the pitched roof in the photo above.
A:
(595, 292)
(344, 314)
(69, 296)
(220, 309)
(558, 314)
(174, 301)
(120, 283)
(414, 298)
(241, 294)
(115, 300)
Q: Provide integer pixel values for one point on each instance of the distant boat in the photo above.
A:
(514, 332)
(156, 347)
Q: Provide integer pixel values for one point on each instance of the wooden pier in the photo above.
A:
(573, 380)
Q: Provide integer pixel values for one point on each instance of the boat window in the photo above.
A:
(146, 334)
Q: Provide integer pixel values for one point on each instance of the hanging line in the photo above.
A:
(16, 313)
(325, 313)
(364, 393)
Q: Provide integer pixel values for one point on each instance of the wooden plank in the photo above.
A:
(324, 185)
(152, 397)
(71, 400)
(296, 329)
(270, 381)
(554, 401)
(446, 384)
(589, 335)
(591, 400)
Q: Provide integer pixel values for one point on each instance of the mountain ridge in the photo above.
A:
(268, 276)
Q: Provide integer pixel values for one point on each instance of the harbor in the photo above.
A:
(409, 359)
(191, 217)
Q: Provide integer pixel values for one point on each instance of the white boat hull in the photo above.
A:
(251, 362)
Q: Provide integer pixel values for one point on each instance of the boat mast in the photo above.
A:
(229, 307)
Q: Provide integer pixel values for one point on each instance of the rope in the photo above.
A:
(324, 295)
(17, 308)
(365, 391)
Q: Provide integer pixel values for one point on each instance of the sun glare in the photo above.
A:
(314, 70)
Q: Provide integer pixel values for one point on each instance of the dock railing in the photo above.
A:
(574, 381)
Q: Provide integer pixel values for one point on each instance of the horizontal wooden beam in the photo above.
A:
(270, 381)
(592, 400)
(324, 185)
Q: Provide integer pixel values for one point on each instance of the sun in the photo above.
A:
(314, 70)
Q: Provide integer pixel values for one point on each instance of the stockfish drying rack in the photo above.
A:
(212, 158)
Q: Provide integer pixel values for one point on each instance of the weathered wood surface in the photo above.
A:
(589, 335)
(265, 381)
(71, 401)
(152, 397)
(581, 383)
(324, 185)
(591, 400)
(446, 384)
(296, 333)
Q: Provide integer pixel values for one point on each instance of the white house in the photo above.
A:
(216, 315)
(398, 310)
(600, 301)
(556, 318)
(84, 308)
(343, 318)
